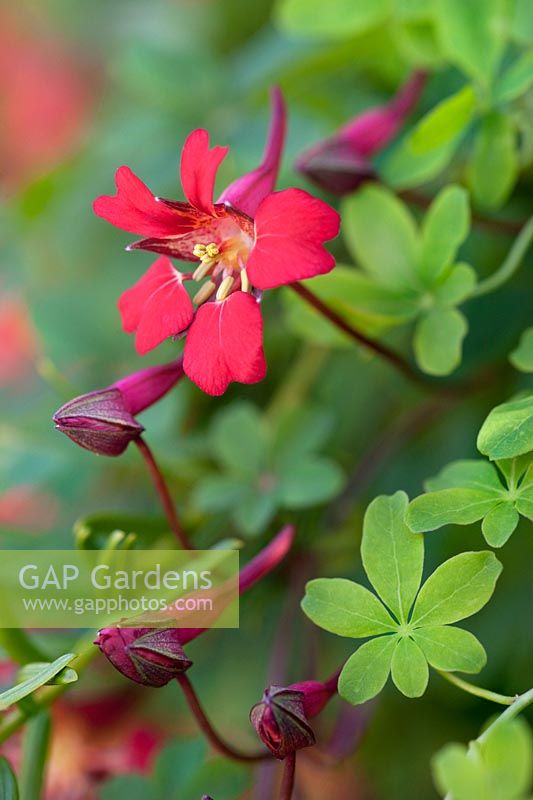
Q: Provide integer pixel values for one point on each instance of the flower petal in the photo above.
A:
(157, 306)
(248, 191)
(290, 230)
(199, 167)
(135, 209)
(225, 344)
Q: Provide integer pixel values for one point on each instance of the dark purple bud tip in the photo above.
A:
(150, 656)
(280, 721)
(334, 165)
(99, 421)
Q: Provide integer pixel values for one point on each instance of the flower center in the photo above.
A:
(225, 264)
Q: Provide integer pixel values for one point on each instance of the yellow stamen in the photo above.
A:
(204, 293)
(212, 250)
(225, 287)
(201, 271)
(245, 281)
(199, 250)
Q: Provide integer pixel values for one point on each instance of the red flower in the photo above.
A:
(250, 240)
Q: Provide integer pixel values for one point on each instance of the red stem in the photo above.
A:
(163, 493)
(289, 772)
(207, 729)
(382, 350)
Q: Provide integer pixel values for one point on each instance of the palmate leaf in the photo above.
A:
(336, 19)
(500, 523)
(239, 439)
(459, 506)
(444, 123)
(508, 430)
(457, 589)
(392, 557)
(405, 646)
(456, 287)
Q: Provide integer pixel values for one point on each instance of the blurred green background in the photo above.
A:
(131, 80)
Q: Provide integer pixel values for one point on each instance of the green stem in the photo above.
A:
(520, 702)
(35, 750)
(477, 691)
(511, 263)
(14, 721)
(20, 647)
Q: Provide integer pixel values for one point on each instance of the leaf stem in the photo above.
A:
(207, 729)
(478, 691)
(514, 258)
(376, 347)
(289, 773)
(163, 493)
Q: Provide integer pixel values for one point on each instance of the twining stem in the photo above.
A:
(477, 691)
(378, 348)
(520, 702)
(163, 493)
(207, 728)
(511, 263)
(287, 782)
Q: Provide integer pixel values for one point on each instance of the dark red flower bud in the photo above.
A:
(149, 656)
(280, 721)
(340, 163)
(104, 421)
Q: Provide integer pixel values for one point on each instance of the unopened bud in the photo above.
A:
(150, 656)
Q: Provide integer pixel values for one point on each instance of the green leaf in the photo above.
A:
(471, 34)
(47, 673)
(449, 507)
(499, 524)
(221, 779)
(508, 430)
(456, 287)
(309, 483)
(254, 512)
(63, 678)
(343, 607)
(438, 340)
(457, 775)
(445, 227)
(176, 766)
(409, 668)
(92, 531)
(472, 473)
(508, 756)
(497, 768)
(219, 493)
(451, 649)
(402, 167)
(366, 672)
(495, 162)
(445, 122)
(299, 433)
(516, 79)
(238, 439)
(35, 749)
(457, 589)
(392, 557)
(524, 503)
(335, 19)
(522, 357)
(8, 782)
(382, 236)
(522, 23)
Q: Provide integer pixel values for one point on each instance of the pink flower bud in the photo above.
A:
(152, 657)
(282, 717)
(280, 721)
(340, 163)
(104, 421)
